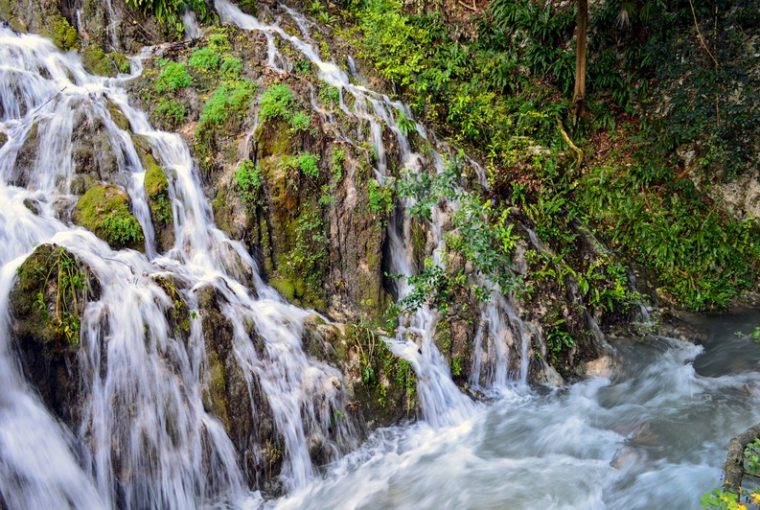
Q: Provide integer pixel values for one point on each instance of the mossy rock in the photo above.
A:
(179, 315)
(3, 139)
(46, 305)
(117, 116)
(98, 61)
(62, 33)
(104, 210)
(386, 386)
(159, 201)
(232, 397)
(49, 296)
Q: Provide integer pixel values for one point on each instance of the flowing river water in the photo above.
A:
(651, 435)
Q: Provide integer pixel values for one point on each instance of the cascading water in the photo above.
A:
(144, 437)
(440, 400)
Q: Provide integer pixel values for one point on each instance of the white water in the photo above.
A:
(144, 437)
(654, 436)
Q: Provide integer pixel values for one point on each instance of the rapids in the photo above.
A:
(651, 436)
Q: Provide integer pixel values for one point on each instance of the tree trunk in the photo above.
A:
(579, 94)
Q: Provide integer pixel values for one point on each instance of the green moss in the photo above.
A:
(62, 33)
(97, 61)
(104, 210)
(49, 296)
(292, 290)
(3, 139)
(179, 315)
(117, 116)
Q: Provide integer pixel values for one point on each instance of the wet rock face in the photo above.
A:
(46, 305)
(239, 404)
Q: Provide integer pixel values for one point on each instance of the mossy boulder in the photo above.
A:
(3, 139)
(381, 387)
(98, 61)
(46, 305)
(104, 210)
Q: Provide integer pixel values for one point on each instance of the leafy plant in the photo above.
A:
(380, 198)
(173, 77)
(248, 181)
(204, 59)
(277, 101)
(308, 164)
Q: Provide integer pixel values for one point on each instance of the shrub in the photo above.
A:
(204, 59)
(173, 77)
(308, 164)
(170, 112)
(232, 67)
(276, 102)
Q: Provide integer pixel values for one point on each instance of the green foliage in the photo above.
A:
(219, 43)
(308, 163)
(170, 112)
(204, 59)
(380, 198)
(433, 286)
(309, 251)
(329, 95)
(232, 67)
(701, 257)
(558, 340)
(228, 103)
(337, 161)
(485, 237)
(405, 124)
(277, 101)
(425, 191)
(300, 122)
(174, 76)
(752, 458)
(168, 11)
(248, 181)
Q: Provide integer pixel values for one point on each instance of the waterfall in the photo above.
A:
(440, 400)
(143, 437)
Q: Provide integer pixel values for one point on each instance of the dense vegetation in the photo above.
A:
(500, 83)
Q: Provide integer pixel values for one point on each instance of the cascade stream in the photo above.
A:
(602, 443)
